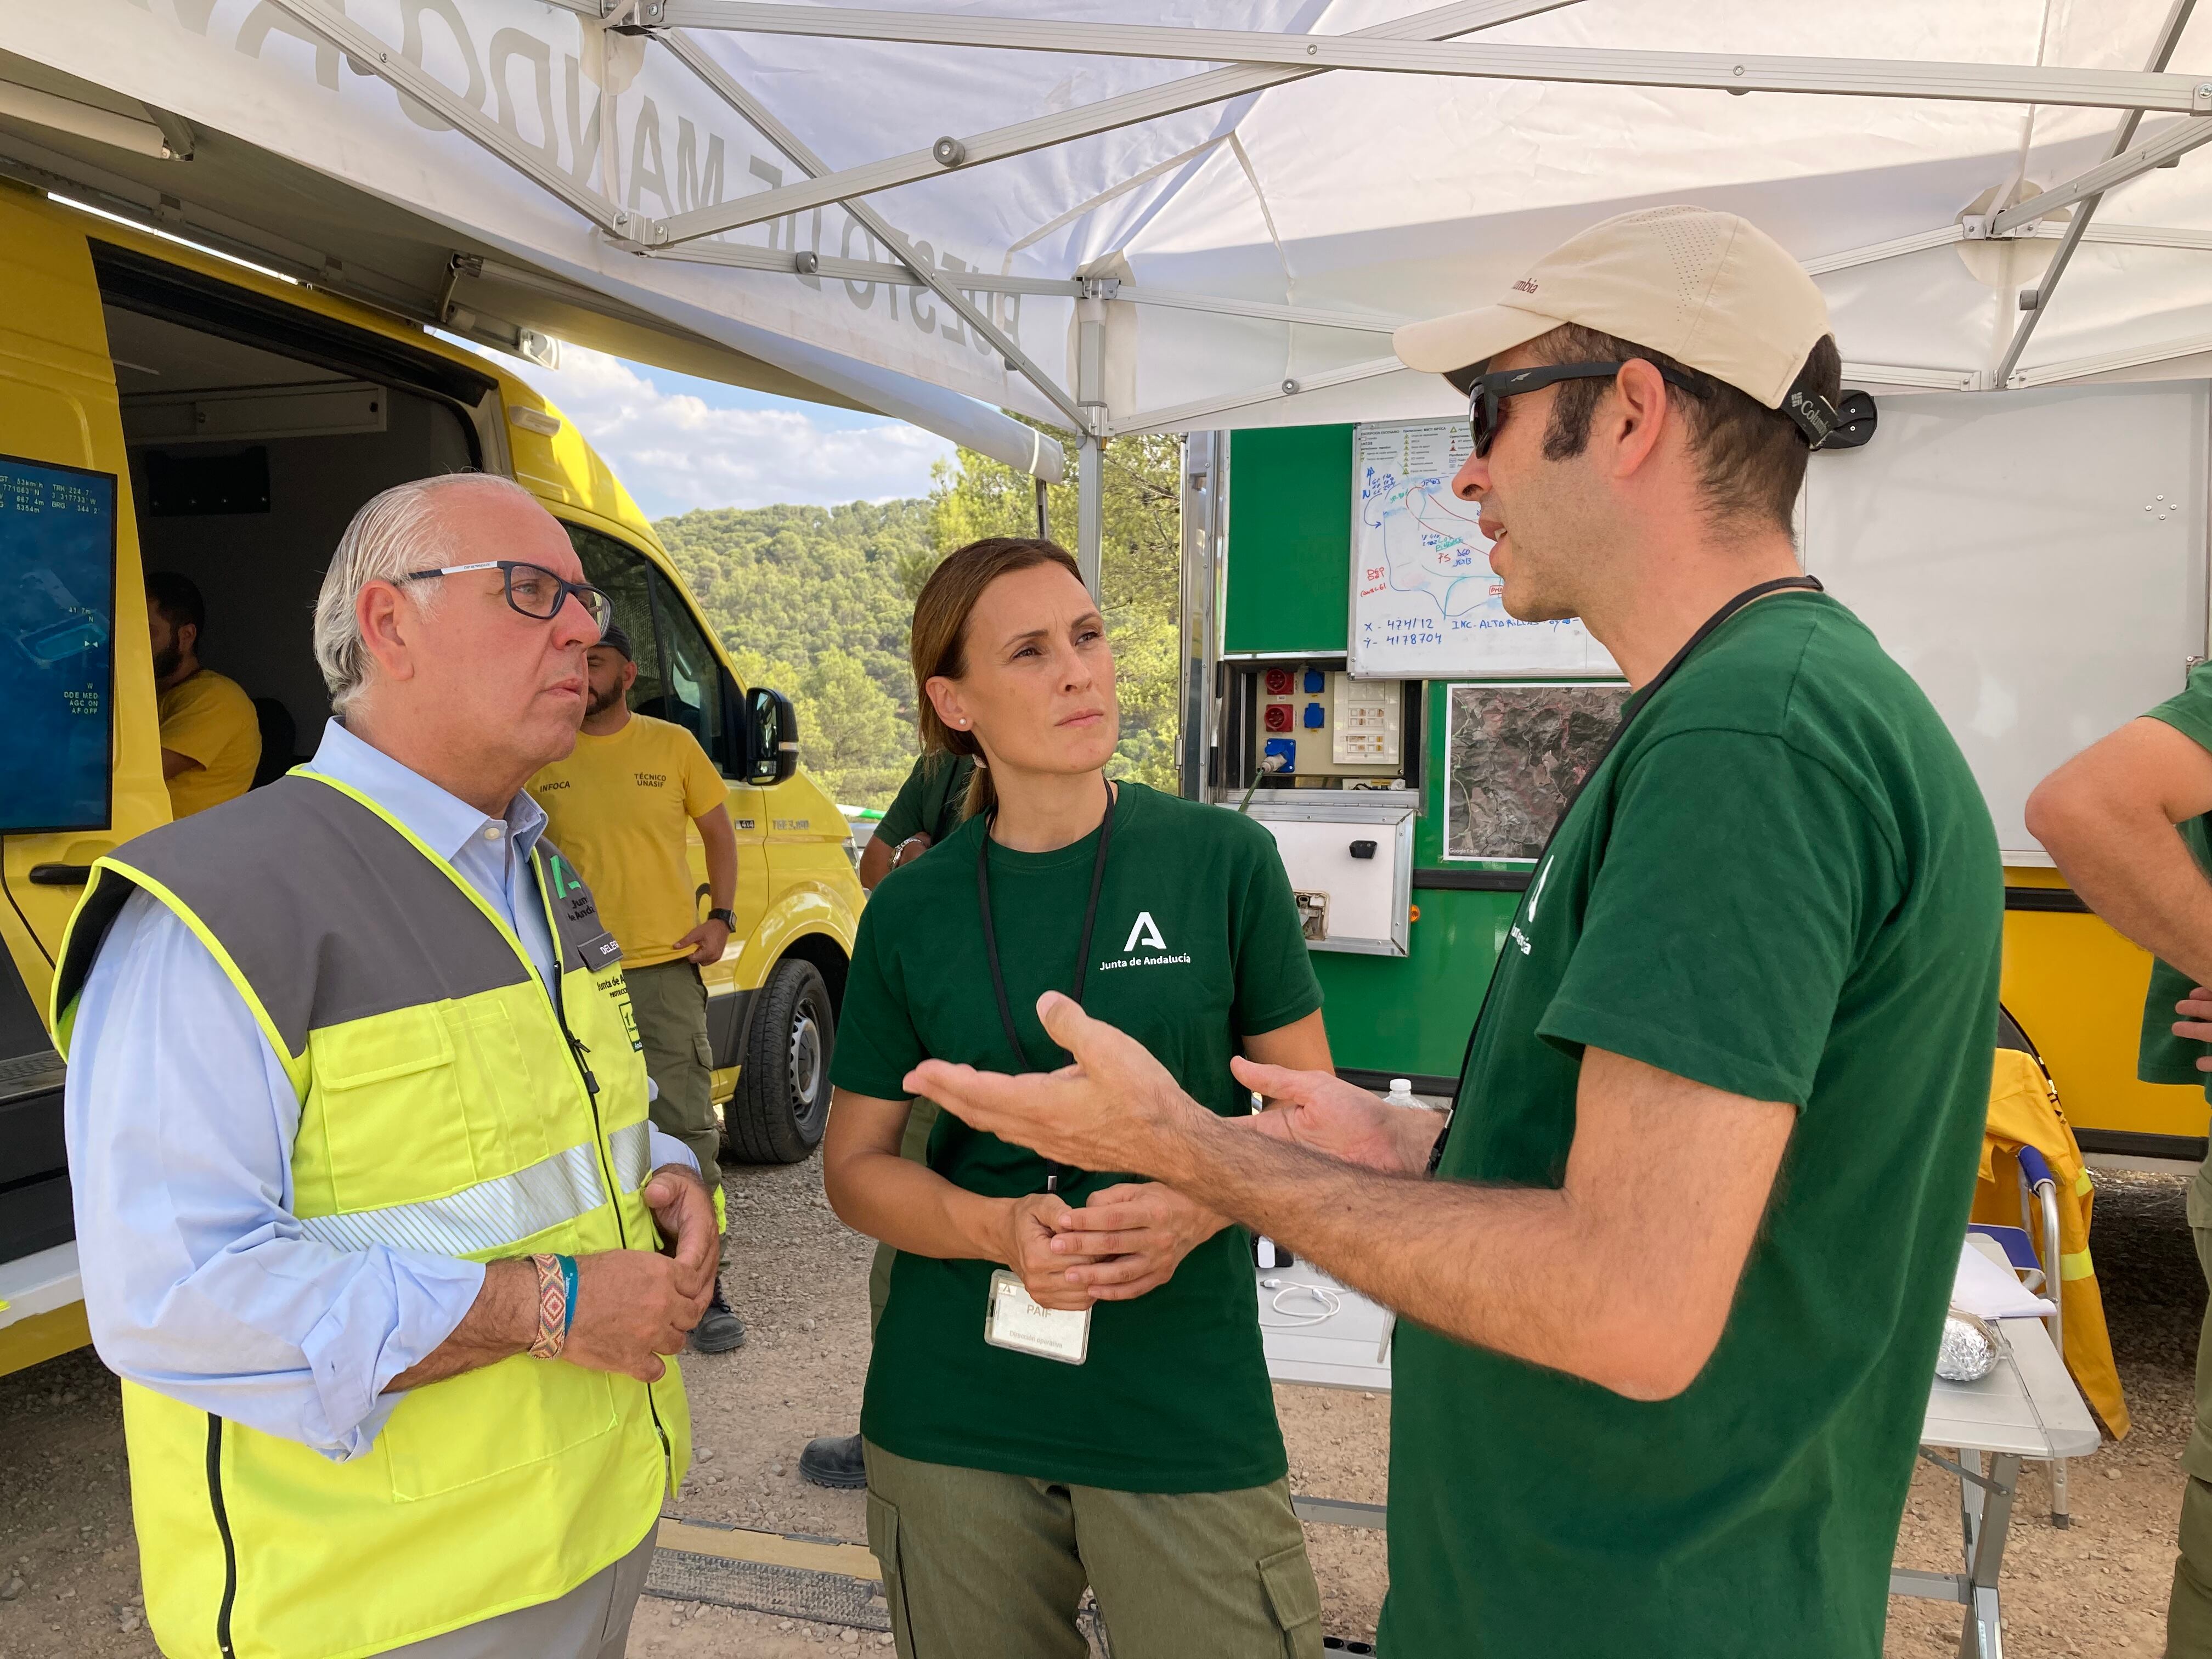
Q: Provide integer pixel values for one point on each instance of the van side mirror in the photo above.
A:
(773, 754)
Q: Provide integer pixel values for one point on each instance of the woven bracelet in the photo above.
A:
(552, 1307)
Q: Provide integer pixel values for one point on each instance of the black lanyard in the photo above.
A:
(1053, 1171)
(1642, 703)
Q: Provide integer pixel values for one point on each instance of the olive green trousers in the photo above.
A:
(982, 1565)
(2189, 1609)
(668, 1000)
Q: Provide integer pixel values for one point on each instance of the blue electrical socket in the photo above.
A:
(1313, 683)
(1316, 717)
(1287, 748)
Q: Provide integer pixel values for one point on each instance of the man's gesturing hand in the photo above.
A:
(1319, 1110)
(1143, 1229)
(1115, 1107)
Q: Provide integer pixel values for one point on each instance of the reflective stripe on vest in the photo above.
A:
(632, 1147)
(490, 1216)
(443, 1108)
(495, 1214)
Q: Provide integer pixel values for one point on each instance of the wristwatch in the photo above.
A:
(728, 918)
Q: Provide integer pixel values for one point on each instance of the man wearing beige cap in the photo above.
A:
(1673, 1276)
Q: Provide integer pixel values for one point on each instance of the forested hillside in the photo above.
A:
(816, 602)
(812, 600)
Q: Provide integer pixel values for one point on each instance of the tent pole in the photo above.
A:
(1204, 525)
(2002, 84)
(1126, 109)
(1090, 394)
(1089, 509)
(2078, 226)
(719, 82)
(369, 54)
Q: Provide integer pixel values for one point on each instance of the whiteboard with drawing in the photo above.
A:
(1425, 602)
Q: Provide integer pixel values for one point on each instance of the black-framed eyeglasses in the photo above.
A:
(1486, 391)
(533, 590)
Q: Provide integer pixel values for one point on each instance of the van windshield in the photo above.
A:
(679, 678)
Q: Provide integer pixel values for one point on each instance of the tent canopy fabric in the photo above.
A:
(1119, 234)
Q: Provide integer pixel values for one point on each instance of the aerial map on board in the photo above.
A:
(1425, 602)
(57, 644)
(1516, 754)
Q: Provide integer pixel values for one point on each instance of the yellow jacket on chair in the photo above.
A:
(446, 1105)
(2024, 1112)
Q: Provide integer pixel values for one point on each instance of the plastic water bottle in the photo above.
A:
(1401, 1092)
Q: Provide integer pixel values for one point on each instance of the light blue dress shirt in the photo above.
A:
(198, 1283)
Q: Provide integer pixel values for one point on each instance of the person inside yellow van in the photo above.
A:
(210, 738)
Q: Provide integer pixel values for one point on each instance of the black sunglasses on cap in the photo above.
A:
(1844, 424)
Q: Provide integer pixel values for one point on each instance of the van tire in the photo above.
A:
(781, 1103)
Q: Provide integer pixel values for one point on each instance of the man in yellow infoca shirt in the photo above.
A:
(210, 737)
(618, 808)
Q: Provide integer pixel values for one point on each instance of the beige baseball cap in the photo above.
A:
(1709, 289)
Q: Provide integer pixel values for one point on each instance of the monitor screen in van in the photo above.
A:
(56, 646)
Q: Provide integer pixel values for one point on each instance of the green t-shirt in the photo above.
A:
(1197, 944)
(2162, 1057)
(1782, 883)
(928, 802)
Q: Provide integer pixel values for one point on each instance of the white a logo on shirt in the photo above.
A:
(1536, 897)
(1146, 932)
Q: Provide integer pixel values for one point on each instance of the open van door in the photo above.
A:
(73, 652)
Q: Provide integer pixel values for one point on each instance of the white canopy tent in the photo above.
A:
(1117, 220)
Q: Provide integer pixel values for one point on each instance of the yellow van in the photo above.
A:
(162, 408)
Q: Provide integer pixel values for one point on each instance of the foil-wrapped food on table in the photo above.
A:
(1969, 1350)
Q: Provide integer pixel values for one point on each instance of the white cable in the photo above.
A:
(1331, 1303)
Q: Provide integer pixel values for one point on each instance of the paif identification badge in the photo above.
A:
(1017, 1320)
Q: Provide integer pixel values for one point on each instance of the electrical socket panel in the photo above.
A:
(1369, 727)
(1343, 727)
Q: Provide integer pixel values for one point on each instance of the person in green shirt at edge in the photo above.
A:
(1671, 1302)
(2108, 818)
(926, 810)
(1027, 1435)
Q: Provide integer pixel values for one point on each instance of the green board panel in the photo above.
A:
(1407, 1015)
(1290, 540)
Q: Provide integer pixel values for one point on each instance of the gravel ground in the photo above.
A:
(68, 1579)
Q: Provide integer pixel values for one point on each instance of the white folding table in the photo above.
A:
(2027, 1409)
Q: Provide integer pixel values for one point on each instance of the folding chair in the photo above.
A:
(2032, 1248)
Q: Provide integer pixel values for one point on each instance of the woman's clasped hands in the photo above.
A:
(1120, 1243)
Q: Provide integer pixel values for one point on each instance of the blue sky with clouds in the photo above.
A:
(679, 442)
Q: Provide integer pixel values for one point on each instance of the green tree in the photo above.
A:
(1140, 570)
(810, 601)
(818, 601)
(851, 732)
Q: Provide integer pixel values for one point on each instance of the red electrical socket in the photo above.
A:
(1279, 717)
(1278, 685)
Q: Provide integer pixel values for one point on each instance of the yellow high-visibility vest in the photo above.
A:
(447, 1104)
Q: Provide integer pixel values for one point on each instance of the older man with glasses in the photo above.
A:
(369, 1212)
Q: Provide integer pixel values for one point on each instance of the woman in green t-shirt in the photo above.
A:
(1067, 1387)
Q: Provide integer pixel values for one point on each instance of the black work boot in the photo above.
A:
(719, 1330)
(834, 1461)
